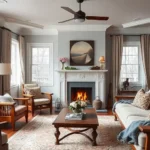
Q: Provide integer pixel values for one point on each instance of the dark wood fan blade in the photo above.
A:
(66, 20)
(69, 10)
(96, 18)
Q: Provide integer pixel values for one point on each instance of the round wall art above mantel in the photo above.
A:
(81, 53)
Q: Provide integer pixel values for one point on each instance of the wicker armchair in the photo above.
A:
(37, 103)
(12, 111)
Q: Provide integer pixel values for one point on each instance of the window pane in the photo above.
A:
(132, 59)
(41, 65)
(129, 68)
(14, 63)
(123, 60)
(34, 52)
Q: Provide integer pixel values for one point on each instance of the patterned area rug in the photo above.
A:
(39, 135)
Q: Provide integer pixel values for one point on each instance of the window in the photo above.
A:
(130, 64)
(41, 63)
(14, 63)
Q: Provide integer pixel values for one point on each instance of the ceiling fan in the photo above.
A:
(80, 16)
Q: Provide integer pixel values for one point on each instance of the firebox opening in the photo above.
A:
(83, 93)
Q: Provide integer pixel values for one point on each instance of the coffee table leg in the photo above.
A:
(94, 134)
(57, 133)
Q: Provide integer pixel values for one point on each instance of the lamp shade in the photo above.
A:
(102, 59)
(5, 69)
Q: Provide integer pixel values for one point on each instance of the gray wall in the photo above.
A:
(64, 43)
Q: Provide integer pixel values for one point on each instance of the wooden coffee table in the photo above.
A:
(89, 121)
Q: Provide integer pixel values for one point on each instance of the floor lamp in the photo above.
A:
(5, 69)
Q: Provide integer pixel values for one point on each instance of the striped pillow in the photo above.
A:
(142, 99)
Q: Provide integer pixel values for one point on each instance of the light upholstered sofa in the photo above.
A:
(126, 114)
(3, 138)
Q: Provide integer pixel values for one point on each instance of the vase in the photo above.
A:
(63, 66)
(77, 111)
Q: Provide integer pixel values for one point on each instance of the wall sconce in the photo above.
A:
(102, 62)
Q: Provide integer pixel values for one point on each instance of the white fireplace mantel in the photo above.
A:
(97, 76)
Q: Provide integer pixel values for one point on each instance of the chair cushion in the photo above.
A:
(41, 101)
(4, 138)
(142, 99)
(36, 91)
(20, 109)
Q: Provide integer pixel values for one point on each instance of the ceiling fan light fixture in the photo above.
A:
(79, 20)
(3, 1)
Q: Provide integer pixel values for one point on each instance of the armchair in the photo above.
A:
(3, 138)
(11, 111)
(42, 101)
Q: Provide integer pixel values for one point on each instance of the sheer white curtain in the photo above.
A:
(117, 48)
(22, 62)
(6, 57)
(145, 52)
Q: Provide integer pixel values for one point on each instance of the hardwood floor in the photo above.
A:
(21, 122)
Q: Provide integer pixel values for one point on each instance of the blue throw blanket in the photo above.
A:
(121, 101)
(130, 134)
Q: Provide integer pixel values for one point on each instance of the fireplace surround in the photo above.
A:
(82, 76)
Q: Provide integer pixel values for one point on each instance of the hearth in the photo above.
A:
(80, 91)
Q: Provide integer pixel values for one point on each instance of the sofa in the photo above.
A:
(127, 113)
(3, 138)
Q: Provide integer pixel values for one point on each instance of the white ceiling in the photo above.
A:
(48, 12)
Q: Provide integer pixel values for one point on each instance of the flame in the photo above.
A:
(82, 96)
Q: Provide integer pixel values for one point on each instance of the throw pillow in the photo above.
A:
(36, 91)
(142, 99)
(6, 98)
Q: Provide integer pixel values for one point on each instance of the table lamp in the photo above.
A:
(102, 62)
(5, 69)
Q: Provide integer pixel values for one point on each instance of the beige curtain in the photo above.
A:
(22, 62)
(6, 57)
(117, 48)
(145, 52)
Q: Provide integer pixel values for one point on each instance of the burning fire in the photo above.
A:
(81, 96)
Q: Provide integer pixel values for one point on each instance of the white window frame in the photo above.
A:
(135, 44)
(29, 62)
(14, 41)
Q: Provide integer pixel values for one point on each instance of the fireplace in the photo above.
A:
(80, 91)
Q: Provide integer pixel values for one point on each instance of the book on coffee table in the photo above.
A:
(71, 116)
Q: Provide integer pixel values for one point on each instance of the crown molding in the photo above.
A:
(136, 23)
(53, 29)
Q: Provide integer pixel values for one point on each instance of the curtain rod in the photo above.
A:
(9, 30)
(125, 34)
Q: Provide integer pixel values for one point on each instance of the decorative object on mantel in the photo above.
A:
(63, 60)
(70, 68)
(95, 68)
(81, 53)
(102, 62)
(97, 103)
(78, 106)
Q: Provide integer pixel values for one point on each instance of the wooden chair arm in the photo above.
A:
(145, 129)
(28, 96)
(7, 103)
(47, 93)
(126, 97)
(21, 99)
